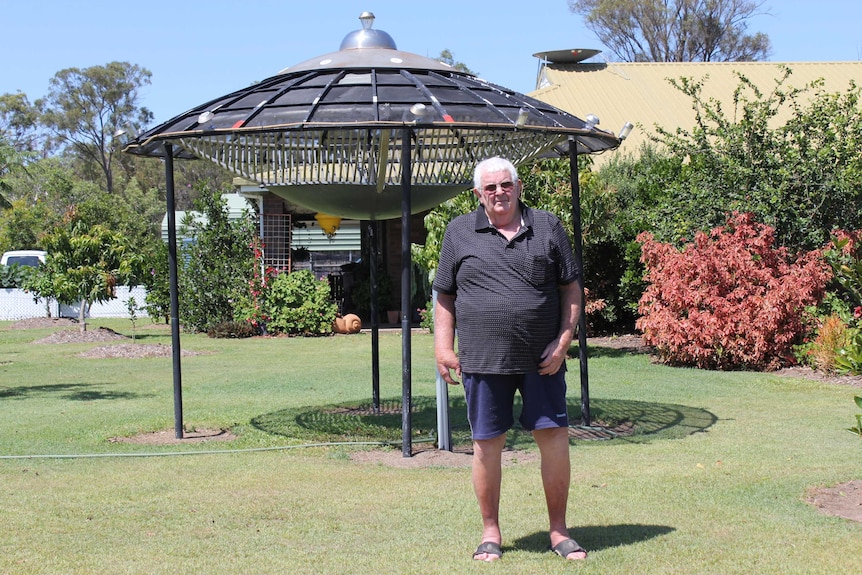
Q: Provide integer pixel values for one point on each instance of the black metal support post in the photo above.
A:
(579, 257)
(406, 267)
(373, 229)
(175, 298)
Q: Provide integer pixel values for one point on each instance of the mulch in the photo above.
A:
(118, 345)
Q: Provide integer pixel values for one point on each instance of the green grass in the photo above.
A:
(713, 481)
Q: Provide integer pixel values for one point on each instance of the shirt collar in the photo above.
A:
(482, 222)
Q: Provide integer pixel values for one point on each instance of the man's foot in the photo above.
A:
(569, 549)
(488, 551)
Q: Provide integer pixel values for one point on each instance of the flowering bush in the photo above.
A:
(250, 307)
(426, 316)
(728, 300)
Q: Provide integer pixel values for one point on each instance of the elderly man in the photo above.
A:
(507, 280)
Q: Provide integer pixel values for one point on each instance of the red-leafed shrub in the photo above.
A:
(728, 300)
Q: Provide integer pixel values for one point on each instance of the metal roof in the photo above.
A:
(641, 94)
(337, 121)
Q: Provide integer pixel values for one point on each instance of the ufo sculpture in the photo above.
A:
(326, 134)
(371, 133)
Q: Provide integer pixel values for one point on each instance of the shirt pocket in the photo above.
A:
(536, 270)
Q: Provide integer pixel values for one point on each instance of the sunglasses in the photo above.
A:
(505, 186)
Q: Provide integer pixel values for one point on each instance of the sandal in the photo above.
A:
(568, 546)
(489, 548)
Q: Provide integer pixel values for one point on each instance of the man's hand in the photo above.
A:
(554, 354)
(444, 338)
(552, 358)
(447, 360)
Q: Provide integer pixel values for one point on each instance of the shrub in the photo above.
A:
(157, 282)
(215, 265)
(858, 429)
(844, 255)
(728, 300)
(297, 303)
(832, 335)
(849, 357)
(426, 316)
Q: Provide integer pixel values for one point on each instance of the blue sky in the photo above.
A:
(198, 50)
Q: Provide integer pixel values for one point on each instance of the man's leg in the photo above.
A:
(487, 479)
(556, 477)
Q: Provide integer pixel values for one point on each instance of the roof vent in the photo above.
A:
(367, 37)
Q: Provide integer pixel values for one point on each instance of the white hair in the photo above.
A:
(495, 164)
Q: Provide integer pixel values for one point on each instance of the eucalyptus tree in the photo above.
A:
(676, 30)
(10, 159)
(19, 123)
(86, 109)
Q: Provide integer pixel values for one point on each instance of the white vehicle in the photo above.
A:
(23, 258)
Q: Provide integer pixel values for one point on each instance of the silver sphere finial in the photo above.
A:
(367, 37)
(367, 19)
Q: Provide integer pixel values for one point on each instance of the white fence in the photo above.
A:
(18, 304)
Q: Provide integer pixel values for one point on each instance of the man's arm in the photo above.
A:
(444, 338)
(570, 311)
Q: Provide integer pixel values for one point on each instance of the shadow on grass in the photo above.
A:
(70, 391)
(644, 421)
(594, 537)
(596, 350)
(142, 336)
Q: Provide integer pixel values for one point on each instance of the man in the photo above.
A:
(508, 281)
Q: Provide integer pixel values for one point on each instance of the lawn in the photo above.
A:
(713, 481)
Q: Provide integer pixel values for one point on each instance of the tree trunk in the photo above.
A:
(82, 315)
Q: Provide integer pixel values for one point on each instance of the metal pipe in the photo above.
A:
(444, 429)
(174, 288)
(373, 228)
(579, 258)
(406, 266)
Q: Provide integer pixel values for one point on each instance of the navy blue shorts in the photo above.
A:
(490, 402)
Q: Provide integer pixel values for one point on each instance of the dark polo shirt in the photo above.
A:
(507, 305)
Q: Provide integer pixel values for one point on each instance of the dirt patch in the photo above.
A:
(75, 335)
(169, 437)
(68, 331)
(627, 342)
(808, 373)
(843, 500)
(134, 351)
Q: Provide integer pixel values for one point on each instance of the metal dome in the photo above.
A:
(326, 133)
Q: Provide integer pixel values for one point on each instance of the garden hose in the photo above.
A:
(215, 451)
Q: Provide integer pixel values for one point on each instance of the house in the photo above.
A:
(640, 93)
(236, 206)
